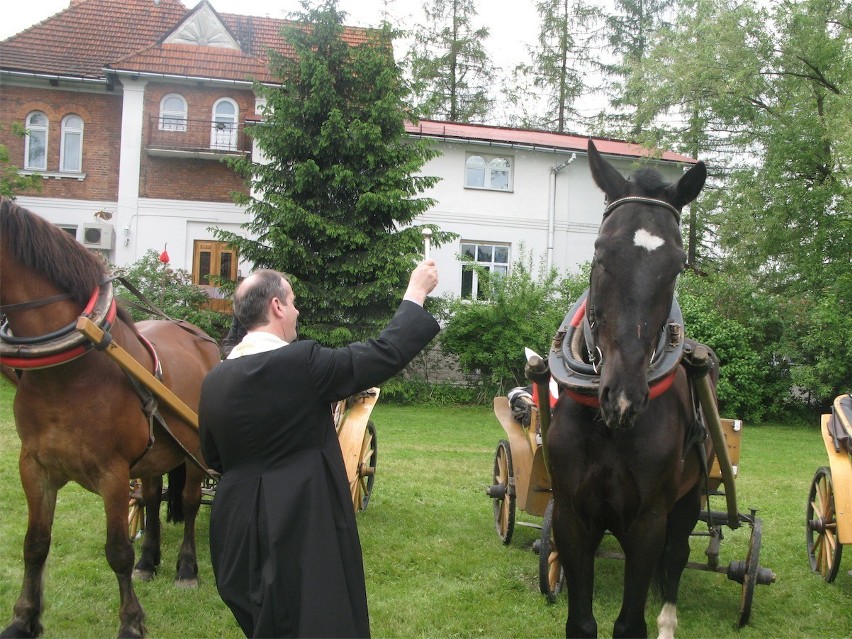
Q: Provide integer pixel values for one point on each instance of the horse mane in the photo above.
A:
(51, 252)
(649, 180)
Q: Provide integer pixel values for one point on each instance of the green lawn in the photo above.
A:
(435, 567)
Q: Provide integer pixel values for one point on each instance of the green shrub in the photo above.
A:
(171, 291)
(521, 309)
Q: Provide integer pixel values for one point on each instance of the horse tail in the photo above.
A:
(174, 496)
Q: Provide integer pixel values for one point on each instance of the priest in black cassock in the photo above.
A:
(283, 538)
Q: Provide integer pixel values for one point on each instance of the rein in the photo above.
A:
(44, 301)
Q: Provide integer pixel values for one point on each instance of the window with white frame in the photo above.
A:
(71, 147)
(223, 134)
(173, 113)
(488, 172)
(35, 143)
(481, 257)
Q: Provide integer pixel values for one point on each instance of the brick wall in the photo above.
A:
(189, 179)
(101, 114)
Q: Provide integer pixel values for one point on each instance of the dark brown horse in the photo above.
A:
(77, 414)
(622, 459)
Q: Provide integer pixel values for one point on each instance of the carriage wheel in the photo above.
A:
(136, 511)
(502, 492)
(750, 573)
(550, 573)
(366, 469)
(824, 550)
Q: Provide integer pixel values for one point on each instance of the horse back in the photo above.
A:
(185, 356)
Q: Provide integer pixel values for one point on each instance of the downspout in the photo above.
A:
(551, 214)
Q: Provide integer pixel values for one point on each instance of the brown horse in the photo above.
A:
(78, 415)
(626, 458)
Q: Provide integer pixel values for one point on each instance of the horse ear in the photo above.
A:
(606, 176)
(689, 185)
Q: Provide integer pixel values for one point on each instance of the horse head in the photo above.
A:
(638, 256)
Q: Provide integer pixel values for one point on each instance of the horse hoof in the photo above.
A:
(143, 575)
(131, 632)
(187, 584)
(18, 630)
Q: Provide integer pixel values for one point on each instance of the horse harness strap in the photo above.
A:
(634, 199)
(150, 404)
(148, 306)
(44, 301)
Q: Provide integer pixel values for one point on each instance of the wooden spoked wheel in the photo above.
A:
(750, 573)
(824, 550)
(136, 511)
(550, 573)
(366, 469)
(502, 492)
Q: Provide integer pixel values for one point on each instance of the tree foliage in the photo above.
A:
(761, 91)
(333, 201)
(559, 64)
(171, 291)
(451, 72)
(522, 309)
(12, 181)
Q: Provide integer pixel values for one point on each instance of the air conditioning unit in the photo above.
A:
(98, 236)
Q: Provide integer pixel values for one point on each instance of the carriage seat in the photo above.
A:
(840, 423)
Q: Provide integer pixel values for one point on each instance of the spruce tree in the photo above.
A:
(451, 72)
(333, 201)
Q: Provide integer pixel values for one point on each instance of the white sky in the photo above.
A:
(510, 30)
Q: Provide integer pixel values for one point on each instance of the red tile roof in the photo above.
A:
(80, 40)
(91, 35)
(535, 139)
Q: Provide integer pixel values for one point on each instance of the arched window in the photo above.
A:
(173, 113)
(71, 149)
(35, 143)
(223, 133)
(488, 172)
(475, 171)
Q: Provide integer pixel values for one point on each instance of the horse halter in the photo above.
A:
(636, 199)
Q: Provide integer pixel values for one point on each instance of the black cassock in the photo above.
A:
(283, 538)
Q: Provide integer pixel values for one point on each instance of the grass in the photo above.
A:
(434, 565)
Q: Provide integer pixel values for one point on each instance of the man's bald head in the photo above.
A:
(252, 297)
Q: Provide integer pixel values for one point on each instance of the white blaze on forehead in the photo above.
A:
(644, 239)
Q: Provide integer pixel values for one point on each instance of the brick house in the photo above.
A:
(130, 104)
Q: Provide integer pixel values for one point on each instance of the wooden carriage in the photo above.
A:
(829, 512)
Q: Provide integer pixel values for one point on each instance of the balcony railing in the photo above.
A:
(195, 138)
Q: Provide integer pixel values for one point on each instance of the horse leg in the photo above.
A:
(577, 546)
(119, 552)
(41, 504)
(642, 546)
(681, 523)
(149, 555)
(187, 564)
